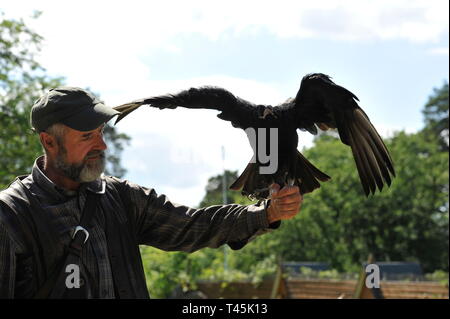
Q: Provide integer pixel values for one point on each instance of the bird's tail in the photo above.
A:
(253, 184)
(308, 176)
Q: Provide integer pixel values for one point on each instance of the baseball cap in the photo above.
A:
(71, 106)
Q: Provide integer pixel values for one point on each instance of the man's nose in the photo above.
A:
(101, 145)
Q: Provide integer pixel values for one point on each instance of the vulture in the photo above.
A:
(319, 104)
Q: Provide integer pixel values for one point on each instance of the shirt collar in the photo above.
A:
(98, 186)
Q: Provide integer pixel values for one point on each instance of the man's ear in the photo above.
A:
(48, 142)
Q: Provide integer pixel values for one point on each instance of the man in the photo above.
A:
(46, 236)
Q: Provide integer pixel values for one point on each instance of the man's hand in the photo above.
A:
(285, 203)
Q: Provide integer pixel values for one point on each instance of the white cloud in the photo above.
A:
(101, 44)
(133, 25)
(438, 51)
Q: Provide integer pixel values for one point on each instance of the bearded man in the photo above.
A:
(69, 231)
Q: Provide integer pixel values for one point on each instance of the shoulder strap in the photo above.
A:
(55, 286)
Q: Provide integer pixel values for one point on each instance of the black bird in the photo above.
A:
(320, 103)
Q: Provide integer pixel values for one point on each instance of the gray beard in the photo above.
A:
(83, 172)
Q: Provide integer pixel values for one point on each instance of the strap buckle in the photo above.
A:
(78, 228)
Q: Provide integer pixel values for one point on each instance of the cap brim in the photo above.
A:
(91, 118)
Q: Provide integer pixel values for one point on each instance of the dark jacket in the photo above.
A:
(128, 215)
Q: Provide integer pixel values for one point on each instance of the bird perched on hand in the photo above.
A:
(319, 103)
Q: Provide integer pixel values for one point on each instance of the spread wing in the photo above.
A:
(319, 103)
(323, 104)
(241, 113)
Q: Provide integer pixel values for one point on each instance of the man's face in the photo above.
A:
(80, 155)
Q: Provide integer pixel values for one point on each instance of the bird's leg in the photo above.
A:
(293, 169)
(290, 181)
(285, 180)
(259, 191)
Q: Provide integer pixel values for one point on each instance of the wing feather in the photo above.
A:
(240, 112)
(359, 165)
(376, 138)
(382, 157)
(320, 101)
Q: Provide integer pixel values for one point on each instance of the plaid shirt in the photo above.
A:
(161, 223)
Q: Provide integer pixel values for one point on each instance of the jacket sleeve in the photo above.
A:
(7, 263)
(170, 226)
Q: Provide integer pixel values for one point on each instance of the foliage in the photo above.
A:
(116, 142)
(436, 116)
(214, 190)
(18, 46)
(22, 81)
(165, 271)
(306, 272)
(439, 276)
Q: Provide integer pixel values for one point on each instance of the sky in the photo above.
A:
(390, 54)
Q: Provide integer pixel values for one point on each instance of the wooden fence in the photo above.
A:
(414, 290)
(296, 288)
(237, 290)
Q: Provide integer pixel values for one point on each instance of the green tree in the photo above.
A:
(436, 116)
(22, 81)
(408, 221)
(115, 142)
(214, 190)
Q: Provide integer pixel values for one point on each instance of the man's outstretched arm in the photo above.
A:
(170, 226)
